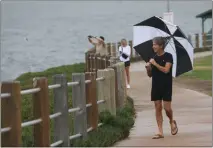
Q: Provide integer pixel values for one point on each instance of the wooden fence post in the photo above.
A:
(105, 62)
(11, 114)
(106, 91)
(103, 90)
(95, 64)
(116, 84)
(109, 48)
(113, 50)
(102, 63)
(61, 123)
(91, 62)
(87, 60)
(121, 82)
(98, 62)
(41, 109)
(124, 80)
(197, 40)
(79, 100)
(204, 39)
(91, 97)
(111, 76)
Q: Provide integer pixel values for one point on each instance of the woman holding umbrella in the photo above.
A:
(160, 69)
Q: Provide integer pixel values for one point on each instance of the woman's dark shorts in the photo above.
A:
(127, 63)
(161, 93)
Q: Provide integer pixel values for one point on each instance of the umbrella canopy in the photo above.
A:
(177, 43)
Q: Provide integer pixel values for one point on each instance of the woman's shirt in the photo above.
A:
(125, 50)
(159, 78)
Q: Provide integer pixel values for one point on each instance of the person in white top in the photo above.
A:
(125, 52)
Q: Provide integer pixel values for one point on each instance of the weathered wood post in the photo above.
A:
(105, 62)
(91, 97)
(108, 45)
(124, 81)
(106, 91)
(121, 82)
(94, 63)
(112, 102)
(102, 90)
(41, 110)
(197, 40)
(79, 100)
(113, 50)
(98, 62)
(116, 84)
(108, 61)
(11, 114)
(101, 62)
(204, 39)
(86, 61)
(61, 123)
(91, 62)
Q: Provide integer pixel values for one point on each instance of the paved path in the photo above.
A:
(192, 110)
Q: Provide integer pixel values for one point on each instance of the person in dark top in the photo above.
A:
(160, 69)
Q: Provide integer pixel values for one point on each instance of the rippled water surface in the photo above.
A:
(39, 35)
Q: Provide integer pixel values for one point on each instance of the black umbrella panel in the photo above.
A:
(177, 43)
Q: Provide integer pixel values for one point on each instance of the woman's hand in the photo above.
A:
(152, 61)
(148, 64)
(148, 69)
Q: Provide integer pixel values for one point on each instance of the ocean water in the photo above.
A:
(36, 35)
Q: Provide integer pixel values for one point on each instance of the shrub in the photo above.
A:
(114, 128)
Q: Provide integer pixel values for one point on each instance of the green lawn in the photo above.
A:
(202, 69)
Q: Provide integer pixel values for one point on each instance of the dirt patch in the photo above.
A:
(204, 86)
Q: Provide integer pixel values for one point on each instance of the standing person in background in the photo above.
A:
(125, 52)
(100, 46)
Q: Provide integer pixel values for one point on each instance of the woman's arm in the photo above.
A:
(165, 69)
(149, 69)
(93, 40)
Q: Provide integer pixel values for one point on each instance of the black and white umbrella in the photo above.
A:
(177, 43)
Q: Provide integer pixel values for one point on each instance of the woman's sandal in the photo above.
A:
(174, 130)
(158, 136)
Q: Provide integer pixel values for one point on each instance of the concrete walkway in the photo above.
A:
(192, 111)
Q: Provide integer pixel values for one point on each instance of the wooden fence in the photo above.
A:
(201, 40)
(92, 92)
(95, 62)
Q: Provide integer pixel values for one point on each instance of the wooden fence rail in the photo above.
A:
(94, 62)
(201, 40)
(90, 95)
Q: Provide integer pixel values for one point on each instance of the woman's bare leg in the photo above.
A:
(169, 113)
(127, 75)
(159, 116)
